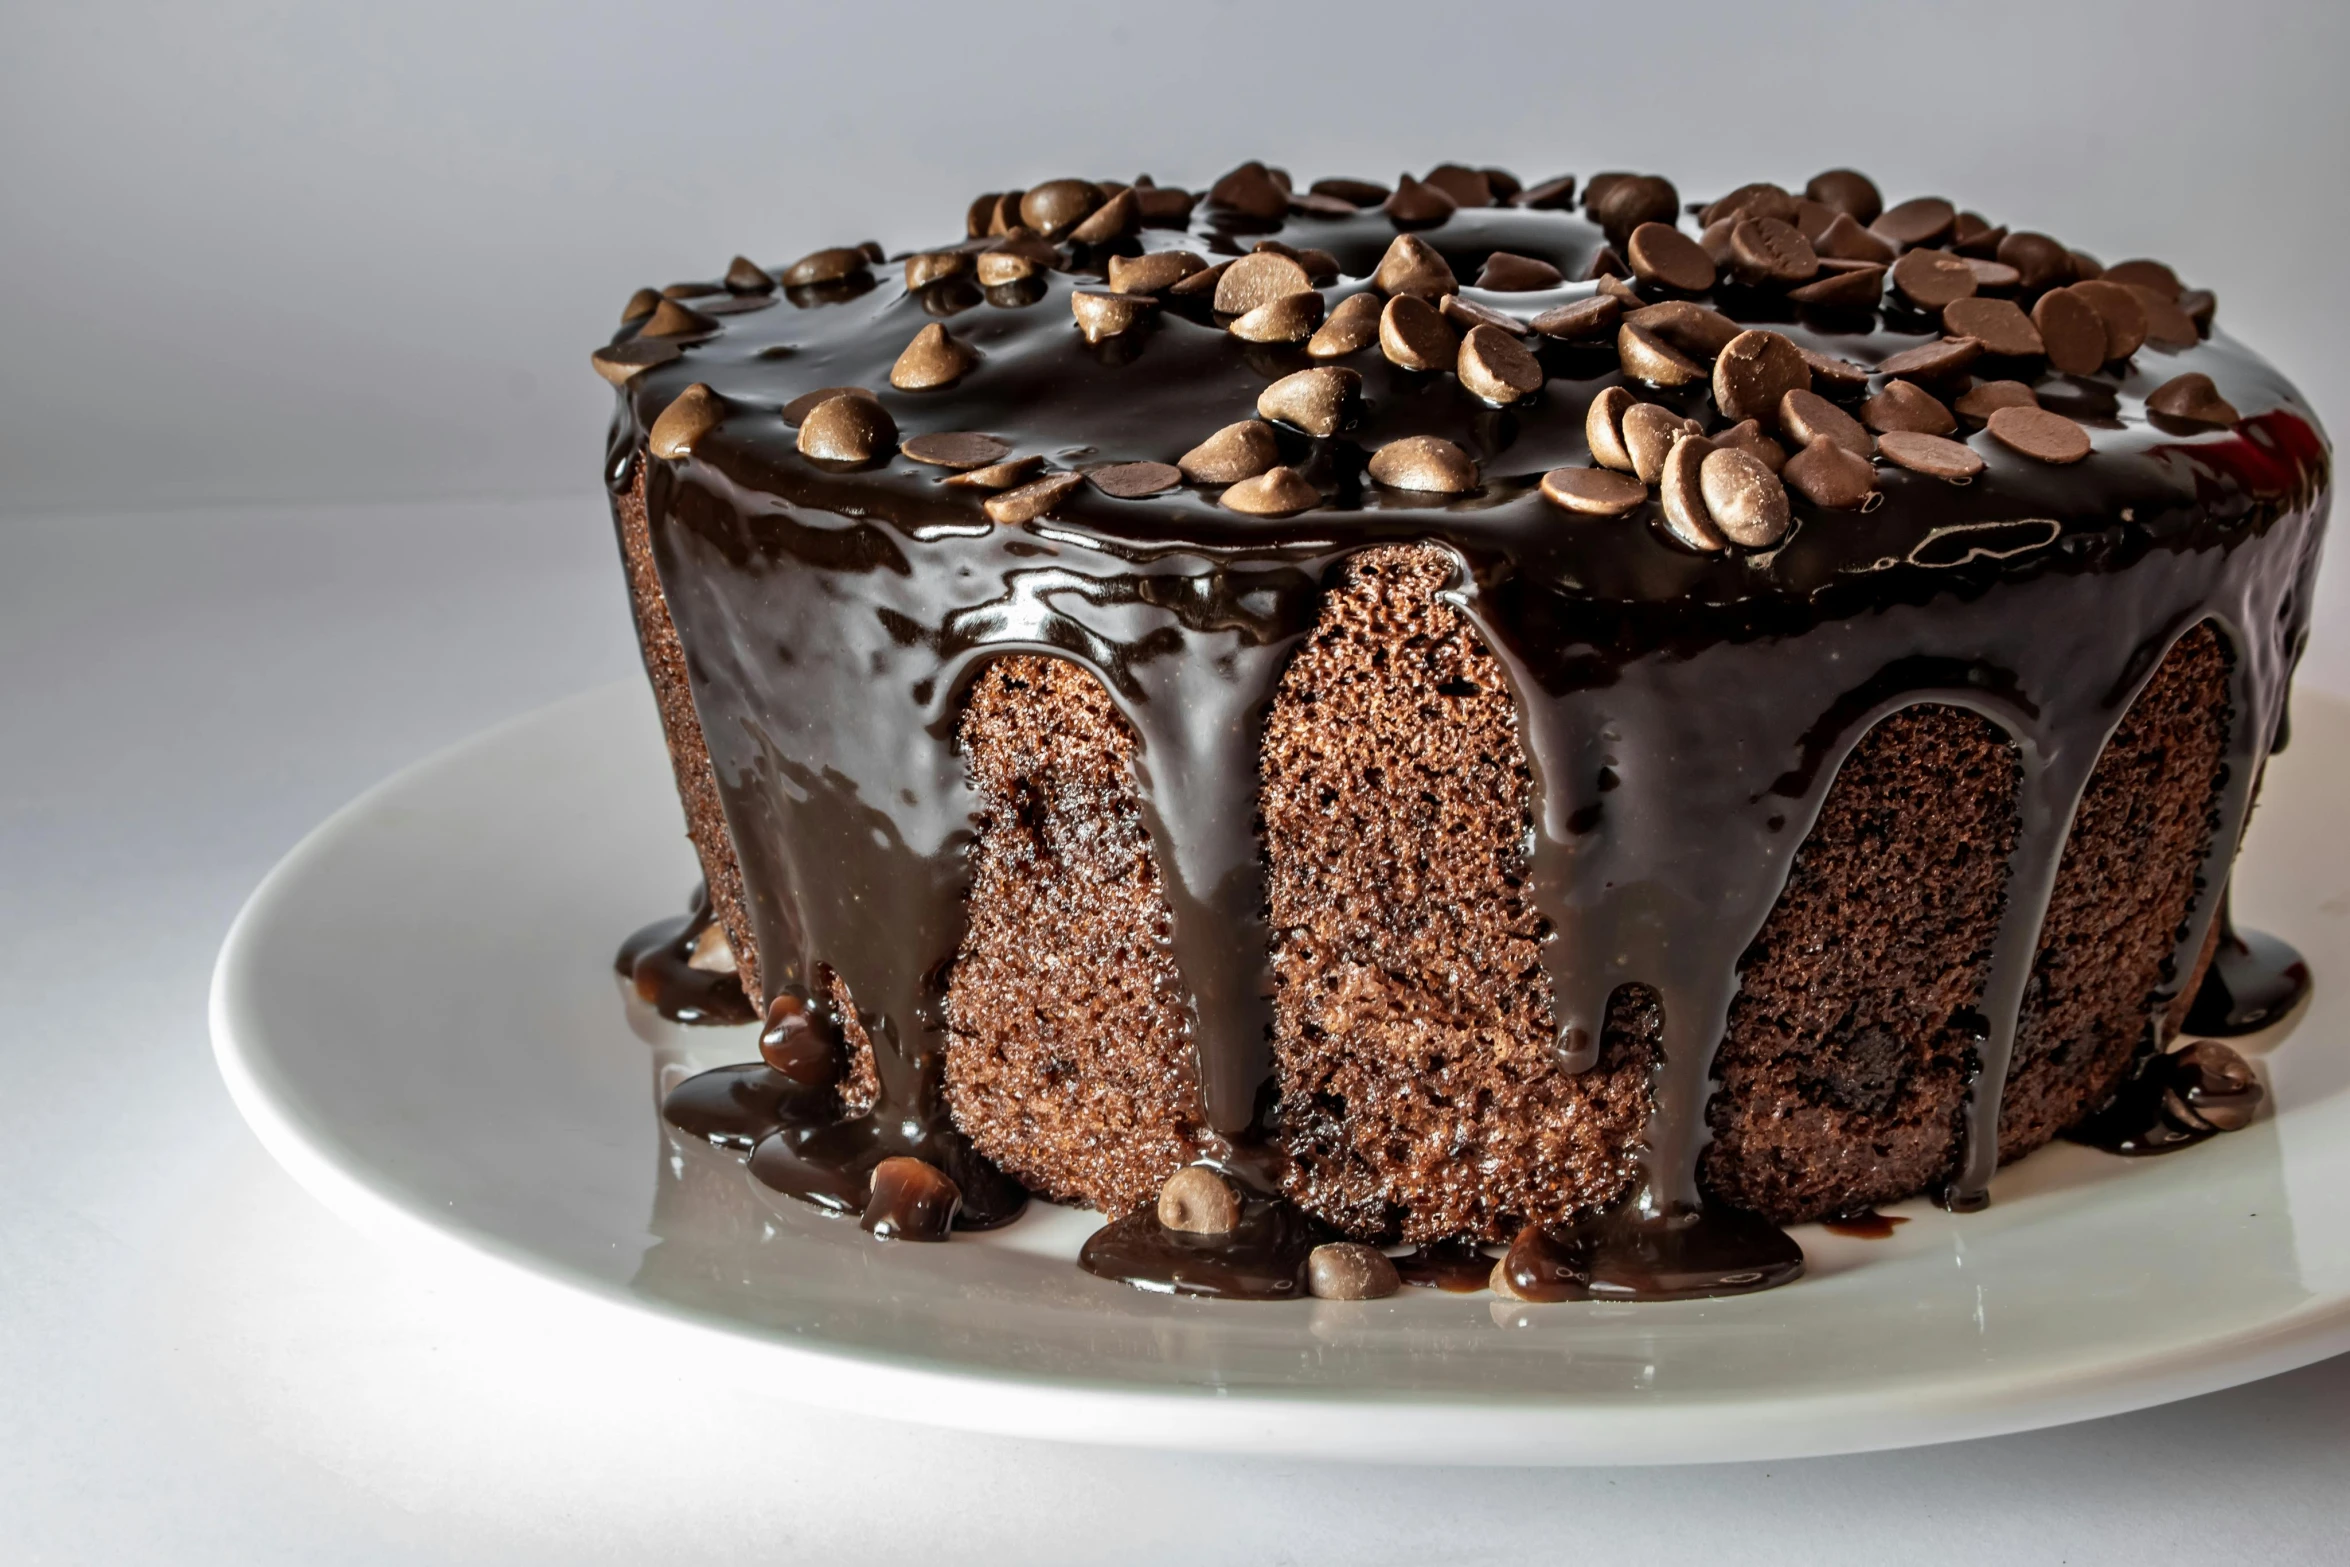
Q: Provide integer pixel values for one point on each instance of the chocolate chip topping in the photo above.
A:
(1154, 272)
(1768, 253)
(1931, 279)
(1755, 370)
(1415, 335)
(1922, 220)
(2039, 261)
(1352, 327)
(640, 304)
(1663, 255)
(1694, 329)
(2123, 313)
(1258, 279)
(849, 428)
(934, 358)
(912, 1200)
(930, 266)
(693, 414)
(826, 266)
(1411, 266)
(2210, 1087)
(998, 476)
(1744, 498)
(1826, 474)
(1681, 487)
(2192, 399)
(1845, 240)
(1747, 436)
(2000, 325)
(672, 319)
(2072, 333)
(797, 410)
(1132, 481)
(1113, 219)
(745, 276)
(618, 363)
(1980, 401)
(1836, 377)
(1102, 316)
(1467, 313)
(2038, 433)
(1426, 463)
(1902, 405)
(1593, 492)
(1933, 455)
(1355, 193)
(1649, 431)
(1033, 500)
(1251, 191)
(2168, 326)
(1238, 451)
(1277, 492)
(1858, 287)
(1583, 320)
(1620, 203)
(1934, 361)
(1846, 191)
(1645, 356)
(1806, 417)
(1417, 202)
(1348, 1270)
(1603, 429)
(1290, 319)
(1497, 367)
(1761, 199)
(957, 449)
(1506, 272)
(2152, 275)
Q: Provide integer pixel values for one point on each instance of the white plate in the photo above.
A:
(417, 1014)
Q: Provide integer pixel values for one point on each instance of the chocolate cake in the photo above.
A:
(1459, 715)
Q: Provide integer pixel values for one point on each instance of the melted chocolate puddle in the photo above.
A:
(1263, 1257)
(2254, 980)
(1627, 1255)
(1866, 1225)
(1456, 1266)
(658, 963)
(2175, 1100)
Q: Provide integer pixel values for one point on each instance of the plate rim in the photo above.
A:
(1302, 1424)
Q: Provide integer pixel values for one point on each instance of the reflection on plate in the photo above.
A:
(417, 1014)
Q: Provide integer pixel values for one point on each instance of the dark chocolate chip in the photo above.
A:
(1417, 202)
(640, 304)
(1348, 1270)
(745, 276)
(2210, 1087)
(1466, 186)
(1552, 195)
(957, 449)
(2193, 399)
(1933, 455)
(912, 1200)
(1355, 193)
(2038, 433)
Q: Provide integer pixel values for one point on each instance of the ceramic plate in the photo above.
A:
(417, 1014)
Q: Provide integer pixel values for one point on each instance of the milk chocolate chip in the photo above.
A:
(1826, 474)
(1344, 1270)
(1236, 452)
(1149, 274)
(1426, 463)
(934, 359)
(1497, 367)
(2193, 399)
(2122, 312)
(1251, 191)
(694, 413)
(826, 266)
(1648, 357)
(1681, 487)
(1508, 273)
(849, 428)
(1583, 320)
(1353, 326)
(1903, 405)
(1603, 429)
(1415, 335)
(1768, 253)
(1807, 417)
(1412, 266)
(1922, 220)
(1846, 191)
(1984, 398)
(619, 363)
(1649, 432)
(2000, 325)
(1258, 279)
(1742, 496)
(1277, 492)
(957, 449)
(1754, 371)
(1033, 500)
(1415, 201)
(1289, 319)
(1593, 492)
(1930, 279)
(2039, 433)
(1858, 288)
(1132, 481)
(2072, 333)
(1662, 254)
(912, 1200)
(1933, 455)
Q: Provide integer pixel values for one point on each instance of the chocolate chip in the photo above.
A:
(1251, 191)
(1902, 405)
(927, 267)
(1553, 195)
(1467, 313)
(1033, 500)
(1930, 279)
(1837, 377)
(1006, 215)
(1812, 219)
(1768, 253)
(2086, 266)
(1258, 279)
(745, 276)
(1344, 1270)
(1113, 219)
(2000, 325)
(825, 266)
(957, 449)
(980, 216)
(1605, 263)
(1464, 186)
(1236, 452)
(2039, 261)
(1755, 370)
(1355, 193)
(1649, 432)
(1932, 455)
(1507, 272)
(1663, 255)
(797, 410)
(912, 1200)
(1417, 202)
(692, 414)
(1148, 274)
(1807, 417)
(2038, 433)
(2146, 274)
(1845, 240)
(1194, 284)
(1847, 191)
(1412, 266)
(1715, 242)
(675, 320)
(1497, 367)
(1681, 488)
(618, 363)
(1759, 200)
(1603, 429)
(1162, 208)
(1321, 266)
(1353, 326)
(935, 359)
(1747, 436)
(998, 267)
(2122, 312)
(1982, 399)
(1693, 329)
(1132, 481)
(1922, 220)
(1584, 320)
(997, 476)
(1993, 277)
(1277, 492)
(1620, 203)
(2072, 333)
(1972, 234)
(1426, 463)
(1290, 319)
(640, 304)
(1859, 288)
(1744, 498)
(2193, 399)
(2201, 305)
(1826, 474)
(2167, 325)
(1934, 361)
(2210, 1087)
(849, 428)
(1415, 335)
(1593, 492)
(1648, 357)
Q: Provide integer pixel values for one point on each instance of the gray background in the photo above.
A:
(295, 304)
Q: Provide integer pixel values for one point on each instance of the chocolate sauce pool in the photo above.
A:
(1683, 715)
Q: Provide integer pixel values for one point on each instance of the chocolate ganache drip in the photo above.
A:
(1749, 487)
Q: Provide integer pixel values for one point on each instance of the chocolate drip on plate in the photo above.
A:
(1263, 1257)
(658, 962)
(2254, 980)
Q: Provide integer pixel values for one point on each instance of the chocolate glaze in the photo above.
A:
(1263, 1257)
(655, 962)
(1457, 1267)
(1683, 715)
(2254, 980)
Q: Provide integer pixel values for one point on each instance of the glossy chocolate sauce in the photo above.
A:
(1263, 1257)
(2175, 1099)
(658, 963)
(2254, 980)
(1457, 1267)
(1683, 715)
(1866, 1225)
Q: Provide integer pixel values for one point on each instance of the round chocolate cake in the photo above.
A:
(1462, 715)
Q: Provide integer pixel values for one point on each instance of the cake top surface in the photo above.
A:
(1815, 393)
